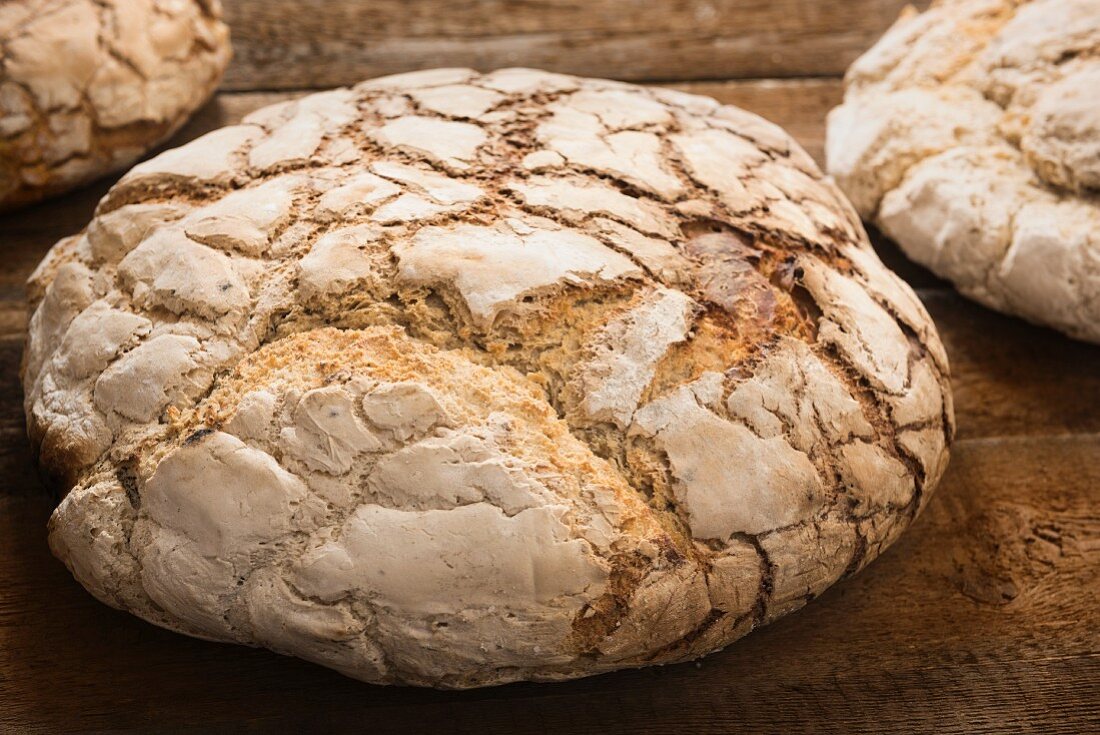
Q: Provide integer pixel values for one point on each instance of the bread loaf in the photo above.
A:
(454, 379)
(88, 86)
(971, 135)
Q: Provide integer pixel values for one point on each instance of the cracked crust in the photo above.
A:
(970, 135)
(88, 86)
(605, 379)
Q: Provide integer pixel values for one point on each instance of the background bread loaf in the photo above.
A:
(971, 135)
(87, 87)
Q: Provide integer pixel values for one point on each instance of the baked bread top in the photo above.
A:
(455, 379)
(88, 86)
(971, 135)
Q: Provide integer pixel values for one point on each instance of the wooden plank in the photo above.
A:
(284, 44)
(984, 618)
(1013, 378)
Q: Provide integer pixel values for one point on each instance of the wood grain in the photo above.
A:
(982, 619)
(289, 44)
(1011, 378)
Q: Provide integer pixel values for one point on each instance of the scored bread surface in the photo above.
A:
(454, 379)
(971, 135)
(88, 86)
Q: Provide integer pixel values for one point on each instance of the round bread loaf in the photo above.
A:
(454, 379)
(970, 134)
(88, 86)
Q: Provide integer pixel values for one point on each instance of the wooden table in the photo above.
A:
(985, 617)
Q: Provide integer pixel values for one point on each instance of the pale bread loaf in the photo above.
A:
(971, 135)
(88, 86)
(454, 379)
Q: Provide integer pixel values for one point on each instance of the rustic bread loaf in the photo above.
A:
(88, 86)
(454, 379)
(971, 135)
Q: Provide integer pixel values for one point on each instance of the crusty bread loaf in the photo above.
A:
(971, 135)
(454, 379)
(88, 86)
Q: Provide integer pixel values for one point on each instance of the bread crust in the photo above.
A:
(455, 379)
(88, 86)
(970, 134)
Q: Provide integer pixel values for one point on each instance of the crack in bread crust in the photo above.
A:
(614, 367)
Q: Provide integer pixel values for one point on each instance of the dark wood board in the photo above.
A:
(333, 42)
(983, 618)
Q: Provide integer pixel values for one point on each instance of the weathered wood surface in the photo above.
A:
(984, 618)
(333, 42)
